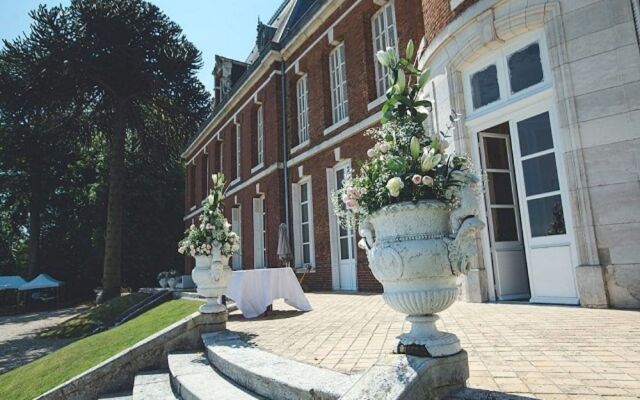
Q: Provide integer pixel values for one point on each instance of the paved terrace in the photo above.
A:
(530, 351)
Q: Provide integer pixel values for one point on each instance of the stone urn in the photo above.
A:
(211, 276)
(172, 283)
(417, 250)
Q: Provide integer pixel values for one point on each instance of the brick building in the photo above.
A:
(548, 96)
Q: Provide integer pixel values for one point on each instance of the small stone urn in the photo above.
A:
(211, 276)
(417, 250)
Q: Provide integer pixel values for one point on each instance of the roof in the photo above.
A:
(11, 282)
(42, 281)
(289, 18)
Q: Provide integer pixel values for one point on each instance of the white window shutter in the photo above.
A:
(297, 225)
(258, 233)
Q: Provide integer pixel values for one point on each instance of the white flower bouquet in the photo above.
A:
(214, 229)
(406, 163)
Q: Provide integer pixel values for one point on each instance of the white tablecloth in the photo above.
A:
(254, 290)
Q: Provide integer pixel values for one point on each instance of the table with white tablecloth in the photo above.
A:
(254, 290)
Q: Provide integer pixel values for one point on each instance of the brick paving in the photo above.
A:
(529, 351)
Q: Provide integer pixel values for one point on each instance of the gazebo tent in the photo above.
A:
(42, 281)
(8, 286)
(11, 282)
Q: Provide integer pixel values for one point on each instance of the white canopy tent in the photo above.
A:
(11, 282)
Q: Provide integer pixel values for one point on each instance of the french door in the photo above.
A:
(544, 206)
(503, 217)
(236, 226)
(344, 240)
(259, 251)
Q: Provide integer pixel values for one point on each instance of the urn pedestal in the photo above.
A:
(211, 276)
(416, 254)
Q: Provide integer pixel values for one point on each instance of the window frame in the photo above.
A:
(260, 135)
(500, 58)
(382, 72)
(204, 176)
(238, 154)
(338, 84)
(302, 101)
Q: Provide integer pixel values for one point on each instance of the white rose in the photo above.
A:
(394, 185)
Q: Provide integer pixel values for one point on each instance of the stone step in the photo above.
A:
(116, 396)
(193, 378)
(153, 385)
(272, 376)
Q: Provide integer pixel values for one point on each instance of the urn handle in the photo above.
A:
(462, 249)
(365, 229)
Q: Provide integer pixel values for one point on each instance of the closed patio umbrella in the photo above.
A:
(284, 248)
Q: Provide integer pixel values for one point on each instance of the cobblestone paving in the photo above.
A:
(18, 344)
(529, 351)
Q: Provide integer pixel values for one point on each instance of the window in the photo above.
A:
(259, 249)
(384, 36)
(303, 109)
(338, 76)
(511, 71)
(260, 136)
(303, 223)
(238, 153)
(204, 175)
(236, 226)
(484, 86)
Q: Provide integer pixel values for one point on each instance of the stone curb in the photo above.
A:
(118, 372)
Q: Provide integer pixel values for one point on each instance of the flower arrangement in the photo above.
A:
(214, 229)
(406, 163)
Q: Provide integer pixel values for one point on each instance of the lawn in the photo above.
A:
(100, 316)
(35, 378)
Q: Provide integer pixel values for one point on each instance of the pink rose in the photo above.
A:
(416, 179)
(427, 180)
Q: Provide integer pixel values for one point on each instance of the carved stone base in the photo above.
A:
(425, 340)
(212, 307)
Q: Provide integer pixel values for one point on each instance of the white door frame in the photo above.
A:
(542, 101)
(334, 229)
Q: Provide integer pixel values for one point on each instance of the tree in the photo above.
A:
(131, 57)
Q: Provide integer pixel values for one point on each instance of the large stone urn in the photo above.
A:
(211, 276)
(417, 250)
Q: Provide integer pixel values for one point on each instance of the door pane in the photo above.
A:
(546, 216)
(534, 134)
(525, 68)
(500, 188)
(305, 233)
(505, 228)
(484, 87)
(306, 254)
(540, 174)
(496, 153)
(344, 248)
(305, 212)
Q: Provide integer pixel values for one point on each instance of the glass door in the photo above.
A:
(346, 243)
(503, 215)
(543, 200)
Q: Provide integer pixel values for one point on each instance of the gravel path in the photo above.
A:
(18, 344)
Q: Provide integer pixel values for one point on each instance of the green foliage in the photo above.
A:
(81, 77)
(35, 378)
(406, 82)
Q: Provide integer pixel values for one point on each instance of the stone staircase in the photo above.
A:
(231, 368)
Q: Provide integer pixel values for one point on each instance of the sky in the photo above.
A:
(225, 27)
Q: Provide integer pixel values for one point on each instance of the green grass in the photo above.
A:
(35, 378)
(100, 316)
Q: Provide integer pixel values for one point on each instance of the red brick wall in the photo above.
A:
(437, 14)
